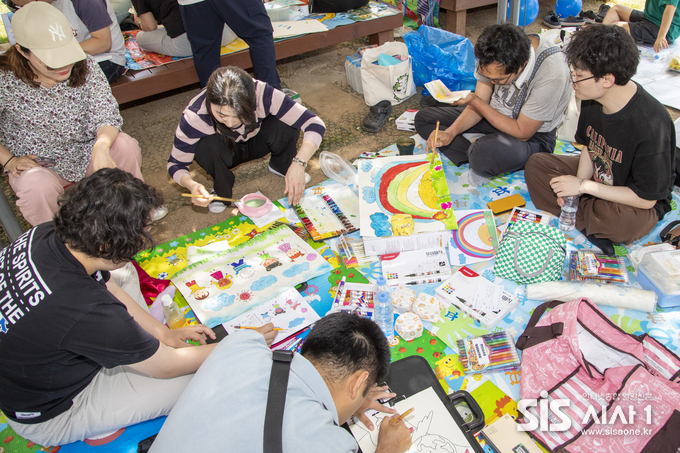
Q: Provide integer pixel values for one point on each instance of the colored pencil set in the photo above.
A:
(487, 353)
(593, 267)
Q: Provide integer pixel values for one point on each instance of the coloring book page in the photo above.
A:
(226, 284)
(476, 238)
(404, 185)
(288, 311)
(434, 429)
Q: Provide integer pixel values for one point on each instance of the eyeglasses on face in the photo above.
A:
(501, 81)
(574, 80)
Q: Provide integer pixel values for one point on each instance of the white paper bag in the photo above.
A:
(393, 83)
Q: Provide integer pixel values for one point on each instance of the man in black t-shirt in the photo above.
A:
(626, 170)
(78, 356)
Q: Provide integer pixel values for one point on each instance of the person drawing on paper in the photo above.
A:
(80, 355)
(236, 119)
(333, 377)
(658, 24)
(626, 170)
(516, 125)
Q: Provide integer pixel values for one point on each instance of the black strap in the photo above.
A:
(276, 401)
(533, 335)
(525, 86)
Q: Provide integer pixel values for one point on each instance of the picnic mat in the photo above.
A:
(496, 393)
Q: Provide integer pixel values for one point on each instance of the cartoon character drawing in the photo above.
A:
(268, 262)
(223, 281)
(193, 286)
(293, 303)
(174, 259)
(291, 252)
(201, 294)
(266, 317)
(278, 310)
(242, 269)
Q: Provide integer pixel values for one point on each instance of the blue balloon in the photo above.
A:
(531, 11)
(566, 8)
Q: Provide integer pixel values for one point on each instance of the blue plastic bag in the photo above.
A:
(440, 54)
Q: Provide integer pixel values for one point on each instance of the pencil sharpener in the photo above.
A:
(254, 205)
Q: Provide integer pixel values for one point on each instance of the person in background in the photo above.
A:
(95, 26)
(121, 8)
(512, 114)
(78, 356)
(658, 24)
(170, 39)
(204, 21)
(332, 378)
(625, 173)
(59, 121)
(236, 119)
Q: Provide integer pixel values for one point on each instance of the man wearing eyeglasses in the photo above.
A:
(520, 98)
(626, 170)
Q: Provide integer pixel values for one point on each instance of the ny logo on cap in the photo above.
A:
(57, 32)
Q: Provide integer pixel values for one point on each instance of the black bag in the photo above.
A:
(335, 6)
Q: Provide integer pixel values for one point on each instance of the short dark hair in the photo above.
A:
(343, 343)
(604, 49)
(106, 215)
(232, 87)
(506, 45)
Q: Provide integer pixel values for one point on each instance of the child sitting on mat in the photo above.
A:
(659, 24)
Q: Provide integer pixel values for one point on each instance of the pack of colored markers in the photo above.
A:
(592, 267)
(487, 353)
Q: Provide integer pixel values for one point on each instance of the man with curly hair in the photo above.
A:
(78, 356)
(626, 170)
(519, 101)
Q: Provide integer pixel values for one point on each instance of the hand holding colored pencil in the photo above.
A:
(255, 328)
(402, 416)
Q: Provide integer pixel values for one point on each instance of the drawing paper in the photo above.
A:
(226, 284)
(404, 185)
(434, 429)
(476, 238)
(289, 311)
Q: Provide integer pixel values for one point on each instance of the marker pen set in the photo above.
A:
(589, 266)
(354, 297)
(491, 352)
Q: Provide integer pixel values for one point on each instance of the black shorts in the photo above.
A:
(642, 30)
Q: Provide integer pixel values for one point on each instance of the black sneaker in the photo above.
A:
(604, 9)
(589, 16)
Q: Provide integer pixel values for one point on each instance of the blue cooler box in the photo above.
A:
(660, 272)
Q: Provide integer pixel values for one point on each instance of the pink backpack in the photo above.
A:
(610, 391)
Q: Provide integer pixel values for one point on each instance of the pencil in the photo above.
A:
(211, 197)
(402, 416)
(255, 328)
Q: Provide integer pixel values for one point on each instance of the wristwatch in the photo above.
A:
(299, 161)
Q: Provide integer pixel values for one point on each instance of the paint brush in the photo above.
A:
(255, 328)
(402, 416)
(210, 197)
(436, 134)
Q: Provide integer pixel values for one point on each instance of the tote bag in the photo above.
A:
(531, 253)
(387, 83)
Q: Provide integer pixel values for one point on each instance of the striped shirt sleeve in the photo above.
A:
(275, 102)
(194, 125)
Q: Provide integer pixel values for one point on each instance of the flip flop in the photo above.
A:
(376, 118)
(552, 21)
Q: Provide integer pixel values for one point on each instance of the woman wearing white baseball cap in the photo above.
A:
(59, 121)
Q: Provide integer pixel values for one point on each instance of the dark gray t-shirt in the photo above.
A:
(548, 93)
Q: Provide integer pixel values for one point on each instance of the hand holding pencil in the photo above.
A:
(394, 435)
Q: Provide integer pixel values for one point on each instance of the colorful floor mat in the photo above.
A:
(437, 345)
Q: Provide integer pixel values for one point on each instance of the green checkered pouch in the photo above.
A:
(531, 253)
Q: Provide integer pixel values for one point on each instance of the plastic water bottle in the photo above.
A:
(568, 215)
(383, 311)
(174, 317)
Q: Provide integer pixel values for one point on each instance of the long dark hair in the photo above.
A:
(234, 88)
(13, 61)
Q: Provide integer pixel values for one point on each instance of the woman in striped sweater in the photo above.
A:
(236, 119)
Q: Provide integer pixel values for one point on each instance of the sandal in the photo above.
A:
(671, 233)
(604, 9)
(552, 21)
(571, 21)
(377, 117)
